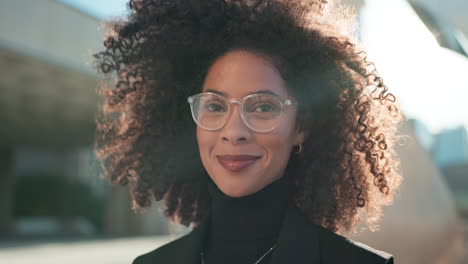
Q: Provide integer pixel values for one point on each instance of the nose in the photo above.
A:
(235, 130)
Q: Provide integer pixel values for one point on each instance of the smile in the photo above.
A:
(236, 163)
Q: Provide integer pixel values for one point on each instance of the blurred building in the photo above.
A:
(47, 106)
(447, 20)
(422, 133)
(450, 152)
(48, 94)
(451, 147)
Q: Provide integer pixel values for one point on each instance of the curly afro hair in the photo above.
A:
(159, 54)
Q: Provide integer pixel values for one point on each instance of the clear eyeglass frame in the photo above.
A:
(284, 102)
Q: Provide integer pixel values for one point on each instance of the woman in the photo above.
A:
(259, 123)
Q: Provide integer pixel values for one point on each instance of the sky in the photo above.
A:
(99, 8)
(431, 82)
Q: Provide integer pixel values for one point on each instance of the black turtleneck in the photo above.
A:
(242, 229)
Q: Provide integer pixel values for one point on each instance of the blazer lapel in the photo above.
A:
(189, 247)
(298, 240)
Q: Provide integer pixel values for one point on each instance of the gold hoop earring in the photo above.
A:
(300, 149)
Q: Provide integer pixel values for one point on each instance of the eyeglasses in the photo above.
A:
(260, 112)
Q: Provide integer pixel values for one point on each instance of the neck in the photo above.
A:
(257, 216)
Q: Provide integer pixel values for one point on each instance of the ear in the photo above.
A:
(299, 137)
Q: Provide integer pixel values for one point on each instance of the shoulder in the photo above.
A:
(339, 249)
(162, 254)
(314, 242)
(179, 251)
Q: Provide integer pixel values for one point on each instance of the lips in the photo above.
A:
(236, 163)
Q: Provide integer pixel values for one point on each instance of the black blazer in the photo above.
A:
(300, 242)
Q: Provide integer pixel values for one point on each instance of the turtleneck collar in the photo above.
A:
(257, 216)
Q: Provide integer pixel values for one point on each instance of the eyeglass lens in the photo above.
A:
(260, 112)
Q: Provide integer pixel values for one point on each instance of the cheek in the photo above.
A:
(201, 139)
(278, 146)
(280, 143)
(205, 141)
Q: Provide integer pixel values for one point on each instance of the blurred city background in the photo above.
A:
(55, 208)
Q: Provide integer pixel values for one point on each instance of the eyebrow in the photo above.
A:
(256, 92)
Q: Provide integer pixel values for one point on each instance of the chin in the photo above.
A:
(235, 189)
(235, 193)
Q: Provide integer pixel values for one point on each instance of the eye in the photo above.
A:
(264, 108)
(214, 107)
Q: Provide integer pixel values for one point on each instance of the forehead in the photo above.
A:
(240, 73)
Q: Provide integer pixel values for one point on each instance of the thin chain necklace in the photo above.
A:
(256, 262)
